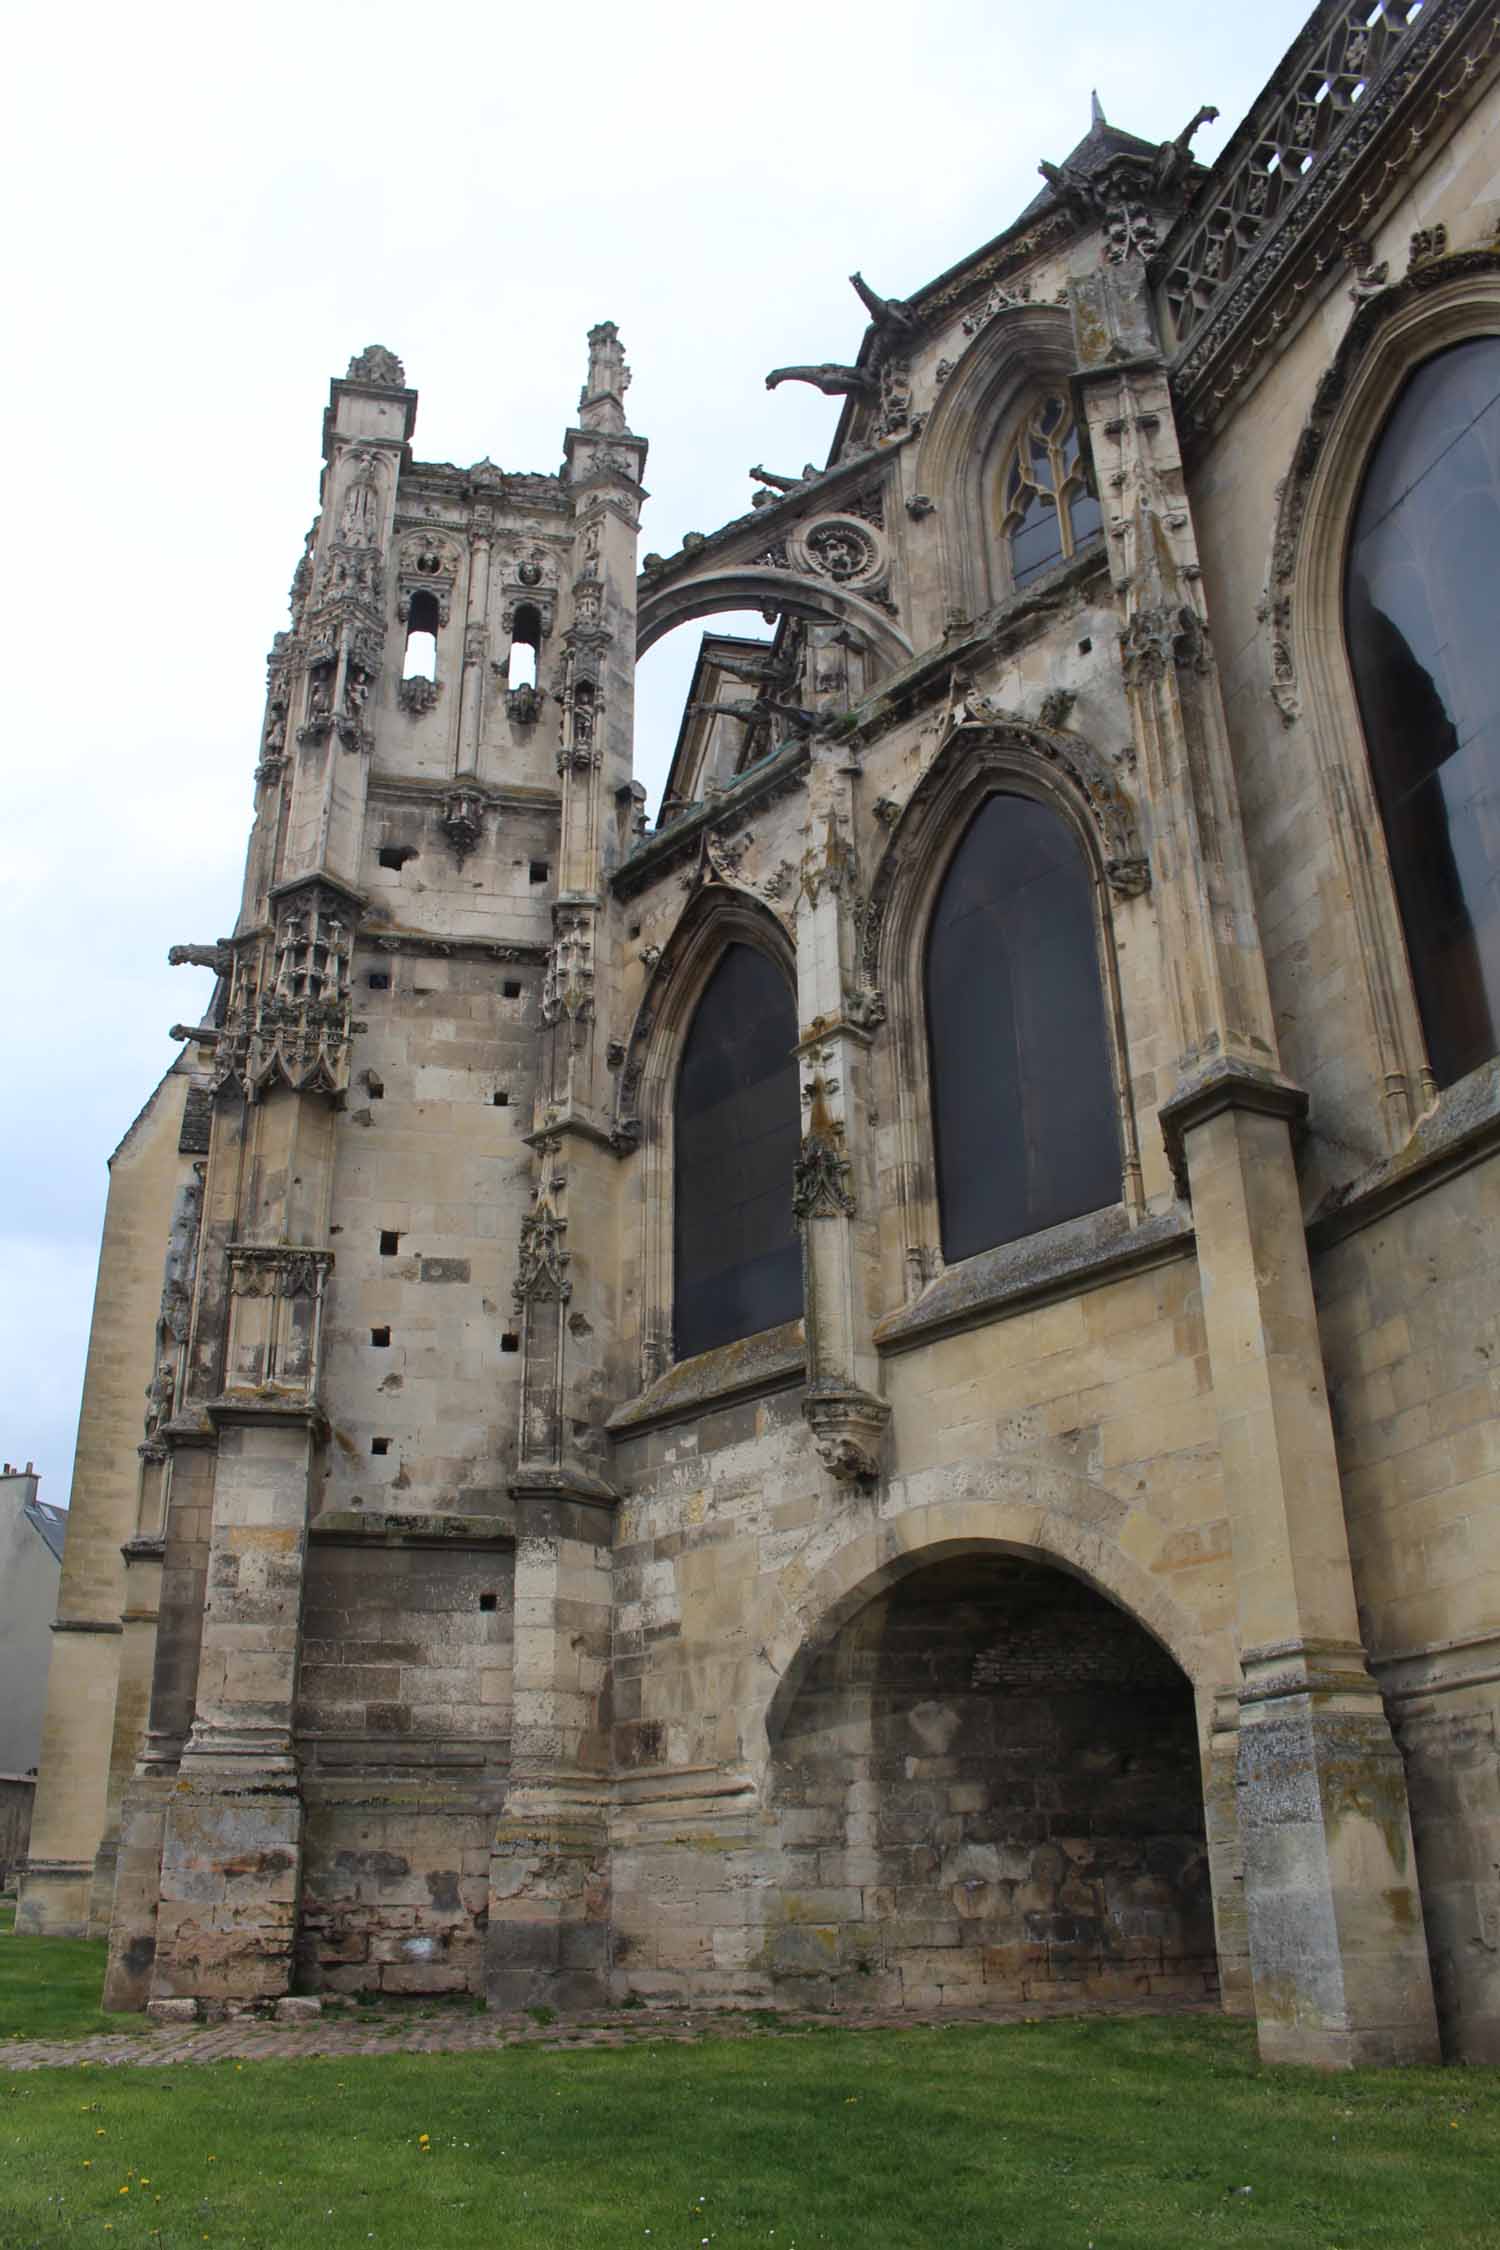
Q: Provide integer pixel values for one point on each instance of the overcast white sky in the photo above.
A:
(209, 209)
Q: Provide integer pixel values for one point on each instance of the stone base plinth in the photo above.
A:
(54, 1899)
(549, 1939)
(1337, 1947)
(231, 1867)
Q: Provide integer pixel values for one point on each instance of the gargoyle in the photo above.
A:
(1173, 158)
(794, 715)
(784, 484)
(829, 377)
(1073, 187)
(800, 720)
(219, 958)
(750, 668)
(886, 312)
(746, 711)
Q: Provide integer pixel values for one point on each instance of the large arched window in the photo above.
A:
(1047, 509)
(1024, 1114)
(737, 1131)
(1419, 612)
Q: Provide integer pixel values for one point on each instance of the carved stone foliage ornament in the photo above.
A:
(417, 695)
(296, 1030)
(718, 859)
(463, 820)
(426, 564)
(277, 1272)
(379, 367)
(998, 300)
(821, 1176)
(542, 1270)
(568, 986)
(848, 1429)
(842, 548)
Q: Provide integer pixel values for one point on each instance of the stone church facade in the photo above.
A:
(890, 1391)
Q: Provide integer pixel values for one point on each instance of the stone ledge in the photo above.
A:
(1015, 1277)
(375, 1527)
(1461, 1131)
(775, 1360)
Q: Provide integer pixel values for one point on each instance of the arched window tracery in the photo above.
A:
(736, 1132)
(1024, 1112)
(1047, 510)
(1418, 620)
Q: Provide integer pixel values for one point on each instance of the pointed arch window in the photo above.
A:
(1047, 509)
(1025, 1121)
(736, 1134)
(1419, 602)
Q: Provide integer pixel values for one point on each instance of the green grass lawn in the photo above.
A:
(1131, 2135)
(49, 1989)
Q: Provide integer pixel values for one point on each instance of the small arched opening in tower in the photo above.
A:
(420, 661)
(525, 647)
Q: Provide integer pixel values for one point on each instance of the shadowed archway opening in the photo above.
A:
(987, 1787)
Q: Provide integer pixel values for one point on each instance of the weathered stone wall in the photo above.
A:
(435, 1161)
(146, 1172)
(1080, 1432)
(1410, 1315)
(403, 1732)
(990, 1782)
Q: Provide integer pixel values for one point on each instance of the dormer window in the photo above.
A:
(1049, 511)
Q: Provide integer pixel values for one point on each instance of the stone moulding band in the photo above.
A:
(86, 1625)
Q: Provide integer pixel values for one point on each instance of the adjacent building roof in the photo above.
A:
(49, 1523)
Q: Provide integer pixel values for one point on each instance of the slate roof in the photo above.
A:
(50, 1524)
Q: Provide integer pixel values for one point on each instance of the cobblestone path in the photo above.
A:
(408, 2031)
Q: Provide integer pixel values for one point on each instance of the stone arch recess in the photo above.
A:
(720, 915)
(990, 750)
(1023, 345)
(1448, 301)
(817, 1609)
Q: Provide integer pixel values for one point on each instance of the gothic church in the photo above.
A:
(888, 1391)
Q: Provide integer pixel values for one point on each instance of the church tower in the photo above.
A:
(399, 1323)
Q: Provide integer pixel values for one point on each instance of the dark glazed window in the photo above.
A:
(738, 1260)
(1048, 509)
(1420, 613)
(1022, 1091)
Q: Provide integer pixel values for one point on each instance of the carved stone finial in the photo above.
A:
(601, 402)
(377, 365)
(830, 377)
